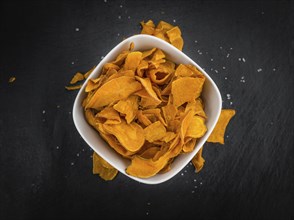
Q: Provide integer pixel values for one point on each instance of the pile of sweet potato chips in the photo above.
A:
(149, 109)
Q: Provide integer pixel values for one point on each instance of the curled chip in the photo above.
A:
(103, 168)
(146, 107)
(218, 133)
(165, 31)
(198, 160)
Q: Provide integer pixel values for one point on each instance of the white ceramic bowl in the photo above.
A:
(210, 95)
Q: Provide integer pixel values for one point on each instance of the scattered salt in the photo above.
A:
(120, 6)
(57, 147)
(195, 180)
(228, 96)
(174, 20)
(226, 78)
(129, 17)
(196, 41)
(69, 113)
(43, 111)
(231, 48)
(58, 106)
(259, 70)
(182, 174)
(200, 183)
(224, 67)
(228, 55)
(262, 12)
(239, 59)
(118, 34)
(211, 59)
(78, 154)
(193, 191)
(72, 163)
(101, 57)
(119, 17)
(274, 69)
(73, 62)
(243, 59)
(221, 47)
(77, 29)
(162, 12)
(105, 1)
(148, 203)
(231, 103)
(147, 213)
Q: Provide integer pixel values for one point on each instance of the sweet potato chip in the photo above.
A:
(77, 77)
(155, 131)
(218, 133)
(186, 89)
(196, 128)
(198, 160)
(103, 168)
(128, 107)
(133, 60)
(114, 90)
(130, 136)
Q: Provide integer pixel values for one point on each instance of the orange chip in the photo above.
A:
(12, 79)
(114, 90)
(154, 132)
(186, 89)
(73, 87)
(133, 60)
(175, 37)
(77, 77)
(148, 27)
(196, 128)
(103, 168)
(198, 160)
(130, 136)
(128, 107)
(218, 133)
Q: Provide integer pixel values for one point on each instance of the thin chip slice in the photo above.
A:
(196, 128)
(155, 131)
(114, 90)
(128, 107)
(130, 136)
(186, 89)
(148, 27)
(73, 87)
(175, 37)
(103, 168)
(198, 160)
(218, 133)
(133, 60)
(77, 78)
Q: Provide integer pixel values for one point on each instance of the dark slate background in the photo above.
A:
(45, 166)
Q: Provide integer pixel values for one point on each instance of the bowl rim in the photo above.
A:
(114, 50)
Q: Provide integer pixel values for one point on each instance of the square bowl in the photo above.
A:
(210, 94)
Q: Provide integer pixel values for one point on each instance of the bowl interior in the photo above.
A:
(210, 95)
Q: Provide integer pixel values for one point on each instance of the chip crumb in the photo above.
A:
(12, 79)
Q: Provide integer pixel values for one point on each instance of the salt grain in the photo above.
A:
(239, 59)
(101, 57)
(105, 1)
(69, 113)
(200, 183)
(211, 59)
(262, 12)
(174, 20)
(216, 71)
(274, 69)
(72, 62)
(231, 103)
(196, 41)
(243, 59)
(226, 78)
(231, 48)
(182, 174)
(72, 163)
(129, 17)
(77, 29)
(120, 6)
(228, 96)
(228, 55)
(57, 147)
(78, 154)
(118, 34)
(119, 17)
(193, 191)
(224, 67)
(259, 70)
(221, 47)
(43, 111)
(162, 12)
(58, 106)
